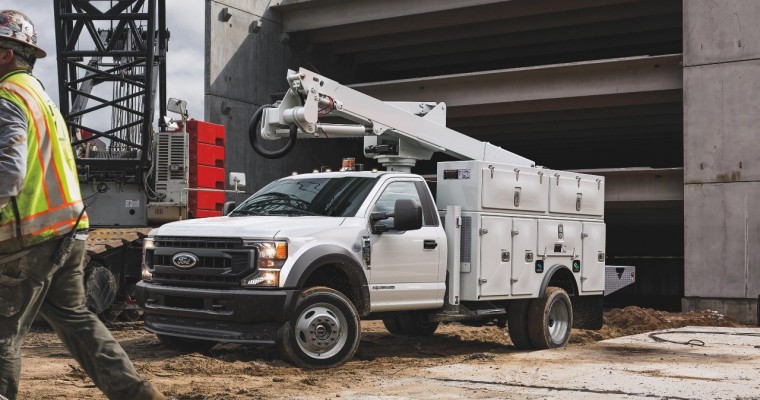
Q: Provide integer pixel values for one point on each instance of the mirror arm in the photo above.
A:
(374, 218)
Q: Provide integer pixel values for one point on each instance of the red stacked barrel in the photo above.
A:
(206, 168)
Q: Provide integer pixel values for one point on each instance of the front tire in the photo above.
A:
(324, 331)
(550, 319)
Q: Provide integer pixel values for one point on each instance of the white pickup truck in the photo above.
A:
(301, 261)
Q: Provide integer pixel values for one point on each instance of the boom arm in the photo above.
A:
(396, 134)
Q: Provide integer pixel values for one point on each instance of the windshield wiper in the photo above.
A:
(241, 213)
(296, 213)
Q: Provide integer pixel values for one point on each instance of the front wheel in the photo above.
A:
(550, 319)
(324, 331)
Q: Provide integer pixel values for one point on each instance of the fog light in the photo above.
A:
(262, 277)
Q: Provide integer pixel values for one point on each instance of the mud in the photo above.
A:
(251, 372)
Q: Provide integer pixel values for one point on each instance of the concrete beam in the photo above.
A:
(555, 83)
(635, 185)
(314, 14)
(630, 31)
(394, 16)
(568, 21)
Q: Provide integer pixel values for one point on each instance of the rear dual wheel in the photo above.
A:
(542, 323)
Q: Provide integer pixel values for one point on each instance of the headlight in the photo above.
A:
(271, 257)
(270, 254)
(149, 245)
(268, 278)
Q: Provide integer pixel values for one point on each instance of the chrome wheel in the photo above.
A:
(321, 330)
(559, 320)
(550, 319)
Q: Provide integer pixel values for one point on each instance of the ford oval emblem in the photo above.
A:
(185, 260)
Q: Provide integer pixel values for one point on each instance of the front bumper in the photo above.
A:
(237, 315)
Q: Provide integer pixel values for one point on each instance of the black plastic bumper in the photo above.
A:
(239, 316)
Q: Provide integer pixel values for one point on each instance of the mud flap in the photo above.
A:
(588, 312)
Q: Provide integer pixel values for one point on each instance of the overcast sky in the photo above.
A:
(185, 59)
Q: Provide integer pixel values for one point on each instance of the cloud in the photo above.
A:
(185, 20)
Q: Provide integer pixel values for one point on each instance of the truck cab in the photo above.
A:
(239, 277)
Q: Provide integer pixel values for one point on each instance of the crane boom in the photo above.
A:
(396, 134)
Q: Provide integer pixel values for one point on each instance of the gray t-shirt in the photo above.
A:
(13, 150)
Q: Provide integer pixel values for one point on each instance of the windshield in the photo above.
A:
(332, 197)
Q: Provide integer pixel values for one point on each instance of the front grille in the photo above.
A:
(199, 242)
(199, 280)
(203, 262)
(219, 263)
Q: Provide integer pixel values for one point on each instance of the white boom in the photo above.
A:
(397, 134)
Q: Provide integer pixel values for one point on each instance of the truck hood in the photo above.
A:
(254, 227)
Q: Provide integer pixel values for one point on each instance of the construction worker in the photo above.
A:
(42, 223)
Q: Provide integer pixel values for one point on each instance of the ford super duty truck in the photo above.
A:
(305, 258)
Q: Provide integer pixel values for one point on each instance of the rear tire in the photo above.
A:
(131, 315)
(518, 324)
(324, 331)
(185, 344)
(109, 315)
(550, 319)
(393, 326)
(100, 287)
(416, 324)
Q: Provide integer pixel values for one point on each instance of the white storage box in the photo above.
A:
(480, 186)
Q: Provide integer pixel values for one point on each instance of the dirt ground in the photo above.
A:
(251, 372)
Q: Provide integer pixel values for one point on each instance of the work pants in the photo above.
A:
(32, 284)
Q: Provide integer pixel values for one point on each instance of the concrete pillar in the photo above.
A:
(247, 57)
(721, 157)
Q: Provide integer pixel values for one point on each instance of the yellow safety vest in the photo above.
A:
(50, 201)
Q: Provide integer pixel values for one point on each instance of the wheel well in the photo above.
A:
(564, 279)
(334, 277)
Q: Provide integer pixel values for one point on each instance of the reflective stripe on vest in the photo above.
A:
(50, 200)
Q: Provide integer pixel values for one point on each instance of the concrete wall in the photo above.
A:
(245, 68)
(721, 157)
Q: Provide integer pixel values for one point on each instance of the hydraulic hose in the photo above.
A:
(253, 136)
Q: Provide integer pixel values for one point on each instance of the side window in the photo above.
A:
(396, 191)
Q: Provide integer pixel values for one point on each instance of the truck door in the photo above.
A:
(405, 265)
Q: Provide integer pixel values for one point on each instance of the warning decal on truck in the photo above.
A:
(456, 174)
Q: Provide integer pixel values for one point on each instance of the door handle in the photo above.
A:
(430, 244)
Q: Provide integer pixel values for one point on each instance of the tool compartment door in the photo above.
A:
(560, 238)
(524, 278)
(520, 188)
(495, 256)
(593, 262)
(576, 194)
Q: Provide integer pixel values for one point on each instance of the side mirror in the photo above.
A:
(228, 207)
(407, 215)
